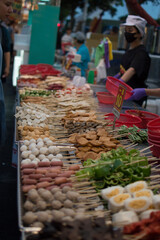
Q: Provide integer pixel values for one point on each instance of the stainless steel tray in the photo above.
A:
(20, 196)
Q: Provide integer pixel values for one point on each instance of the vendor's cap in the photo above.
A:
(136, 21)
(79, 36)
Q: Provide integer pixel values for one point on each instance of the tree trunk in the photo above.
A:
(72, 16)
(135, 8)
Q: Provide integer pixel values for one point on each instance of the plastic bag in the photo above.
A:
(101, 70)
(79, 81)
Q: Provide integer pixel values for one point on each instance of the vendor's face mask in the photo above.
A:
(130, 37)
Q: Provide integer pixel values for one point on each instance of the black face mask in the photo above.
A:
(130, 37)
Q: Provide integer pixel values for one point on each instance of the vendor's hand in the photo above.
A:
(138, 93)
(6, 73)
(117, 75)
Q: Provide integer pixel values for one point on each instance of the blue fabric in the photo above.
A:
(2, 108)
(85, 59)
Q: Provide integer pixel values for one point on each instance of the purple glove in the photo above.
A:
(117, 75)
(138, 93)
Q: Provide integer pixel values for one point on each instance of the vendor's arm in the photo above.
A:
(7, 64)
(153, 92)
(139, 93)
(128, 74)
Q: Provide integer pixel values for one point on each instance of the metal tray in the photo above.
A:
(20, 196)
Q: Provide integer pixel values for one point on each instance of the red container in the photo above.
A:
(145, 116)
(154, 132)
(153, 136)
(105, 97)
(155, 148)
(125, 119)
(112, 84)
(154, 125)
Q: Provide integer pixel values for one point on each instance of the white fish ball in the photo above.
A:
(25, 154)
(26, 161)
(31, 146)
(43, 150)
(26, 142)
(36, 160)
(55, 160)
(45, 160)
(46, 139)
(39, 140)
(50, 156)
(32, 141)
(40, 144)
(49, 143)
(60, 156)
(41, 157)
(31, 156)
(23, 148)
(35, 151)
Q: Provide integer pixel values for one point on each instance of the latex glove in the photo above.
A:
(138, 93)
(117, 75)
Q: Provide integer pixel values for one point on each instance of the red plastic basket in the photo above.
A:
(145, 116)
(154, 132)
(105, 97)
(153, 140)
(125, 119)
(155, 148)
(112, 84)
(153, 136)
(154, 125)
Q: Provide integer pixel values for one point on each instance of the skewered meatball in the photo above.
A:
(29, 206)
(73, 196)
(56, 204)
(41, 205)
(68, 203)
(29, 217)
(80, 216)
(54, 190)
(46, 195)
(57, 215)
(38, 224)
(40, 190)
(60, 196)
(33, 195)
(68, 212)
(65, 189)
(67, 218)
(42, 216)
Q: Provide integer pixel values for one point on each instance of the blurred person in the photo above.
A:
(79, 44)
(135, 62)
(66, 41)
(6, 47)
(9, 24)
(5, 11)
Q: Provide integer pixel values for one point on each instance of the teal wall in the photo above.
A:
(44, 34)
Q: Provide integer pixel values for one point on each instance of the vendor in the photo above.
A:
(135, 63)
(66, 41)
(82, 49)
